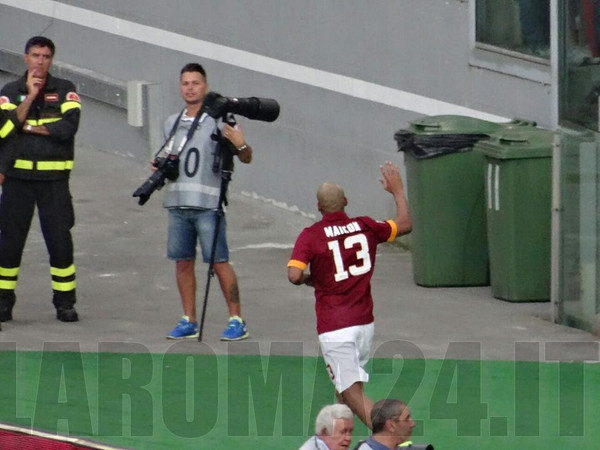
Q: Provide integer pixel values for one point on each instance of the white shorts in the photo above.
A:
(346, 352)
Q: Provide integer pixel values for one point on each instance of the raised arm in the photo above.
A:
(392, 182)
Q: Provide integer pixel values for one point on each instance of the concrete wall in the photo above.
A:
(390, 62)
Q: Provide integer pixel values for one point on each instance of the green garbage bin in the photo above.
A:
(518, 183)
(447, 199)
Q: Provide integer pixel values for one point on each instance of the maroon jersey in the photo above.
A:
(341, 254)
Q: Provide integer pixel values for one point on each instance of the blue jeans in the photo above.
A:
(189, 227)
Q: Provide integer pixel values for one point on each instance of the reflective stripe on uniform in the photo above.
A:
(8, 278)
(9, 272)
(63, 280)
(45, 121)
(37, 123)
(6, 129)
(23, 164)
(66, 106)
(54, 165)
(65, 286)
(9, 285)
(67, 272)
(43, 165)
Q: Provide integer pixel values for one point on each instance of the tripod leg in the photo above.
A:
(226, 171)
(213, 251)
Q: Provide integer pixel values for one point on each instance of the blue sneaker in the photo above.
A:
(236, 330)
(184, 329)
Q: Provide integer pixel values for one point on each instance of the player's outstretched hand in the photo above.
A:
(392, 182)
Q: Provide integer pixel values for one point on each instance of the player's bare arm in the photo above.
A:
(298, 276)
(392, 183)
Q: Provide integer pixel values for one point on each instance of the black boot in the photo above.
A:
(67, 314)
(7, 301)
(65, 309)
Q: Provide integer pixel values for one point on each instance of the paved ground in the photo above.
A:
(127, 294)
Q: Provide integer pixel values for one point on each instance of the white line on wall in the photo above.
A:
(252, 61)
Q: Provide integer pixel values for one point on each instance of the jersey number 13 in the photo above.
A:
(362, 255)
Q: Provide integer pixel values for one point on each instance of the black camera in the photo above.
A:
(166, 169)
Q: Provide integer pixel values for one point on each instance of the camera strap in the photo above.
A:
(169, 142)
(171, 134)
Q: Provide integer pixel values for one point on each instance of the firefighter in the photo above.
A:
(40, 159)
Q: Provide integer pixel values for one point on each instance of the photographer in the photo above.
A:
(192, 200)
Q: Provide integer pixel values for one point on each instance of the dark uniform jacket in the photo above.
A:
(37, 157)
(8, 126)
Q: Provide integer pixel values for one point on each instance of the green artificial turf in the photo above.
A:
(174, 400)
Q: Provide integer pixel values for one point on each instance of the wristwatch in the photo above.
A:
(28, 128)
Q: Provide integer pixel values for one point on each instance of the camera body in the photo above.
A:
(169, 165)
(167, 168)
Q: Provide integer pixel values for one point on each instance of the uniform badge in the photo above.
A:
(72, 96)
(51, 97)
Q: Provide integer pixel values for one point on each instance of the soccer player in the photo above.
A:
(340, 252)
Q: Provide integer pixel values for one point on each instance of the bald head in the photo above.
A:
(331, 198)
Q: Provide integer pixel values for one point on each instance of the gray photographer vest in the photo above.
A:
(197, 185)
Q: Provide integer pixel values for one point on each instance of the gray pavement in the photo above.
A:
(128, 301)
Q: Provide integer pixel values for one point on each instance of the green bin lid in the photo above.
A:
(449, 124)
(517, 143)
(518, 122)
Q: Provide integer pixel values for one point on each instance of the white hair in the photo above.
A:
(328, 415)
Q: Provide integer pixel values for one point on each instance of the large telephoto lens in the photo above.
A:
(265, 109)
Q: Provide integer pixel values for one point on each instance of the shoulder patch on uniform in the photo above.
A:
(4, 99)
(72, 96)
(51, 97)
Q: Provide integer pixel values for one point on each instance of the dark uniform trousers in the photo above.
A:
(55, 210)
